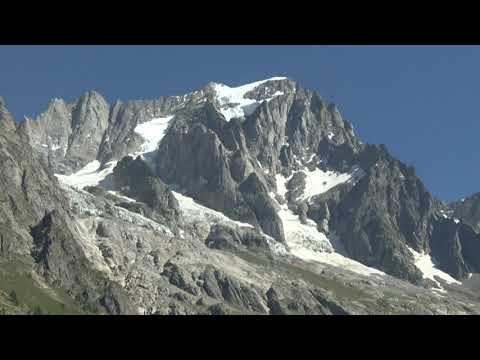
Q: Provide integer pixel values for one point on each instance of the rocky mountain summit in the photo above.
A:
(256, 199)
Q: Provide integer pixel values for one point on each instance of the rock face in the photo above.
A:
(222, 287)
(457, 246)
(60, 260)
(69, 134)
(7, 123)
(223, 214)
(294, 125)
(224, 237)
(136, 180)
(299, 300)
(468, 210)
(230, 166)
(28, 188)
(386, 211)
(37, 230)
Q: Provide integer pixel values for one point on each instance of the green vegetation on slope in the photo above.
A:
(21, 293)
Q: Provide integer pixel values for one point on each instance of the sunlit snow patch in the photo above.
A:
(152, 131)
(425, 264)
(122, 197)
(444, 215)
(233, 102)
(302, 236)
(196, 212)
(309, 244)
(319, 181)
(89, 175)
(335, 259)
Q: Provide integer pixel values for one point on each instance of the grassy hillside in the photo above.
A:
(21, 292)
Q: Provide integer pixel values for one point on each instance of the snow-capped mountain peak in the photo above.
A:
(290, 182)
(235, 102)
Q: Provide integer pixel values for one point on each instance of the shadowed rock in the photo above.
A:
(135, 179)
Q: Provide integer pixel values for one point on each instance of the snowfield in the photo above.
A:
(318, 181)
(309, 244)
(193, 211)
(89, 175)
(153, 132)
(426, 265)
(300, 236)
(337, 260)
(233, 102)
(120, 196)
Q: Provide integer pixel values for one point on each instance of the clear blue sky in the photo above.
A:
(421, 101)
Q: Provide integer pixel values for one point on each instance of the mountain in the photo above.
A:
(227, 200)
